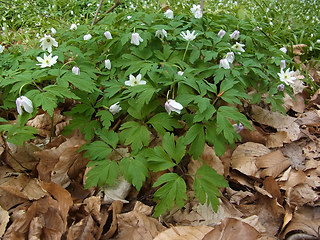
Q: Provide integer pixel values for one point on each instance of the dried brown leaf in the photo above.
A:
(184, 233)
(86, 229)
(294, 153)
(298, 49)
(4, 219)
(114, 210)
(277, 139)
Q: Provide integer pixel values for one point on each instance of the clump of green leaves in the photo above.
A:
(210, 95)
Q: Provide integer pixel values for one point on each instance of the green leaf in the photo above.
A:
(135, 134)
(159, 160)
(47, 100)
(134, 170)
(18, 134)
(217, 140)
(96, 151)
(206, 186)
(61, 92)
(162, 122)
(101, 173)
(195, 135)
(195, 54)
(106, 118)
(82, 82)
(177, 149)
(110, 137)
(173, 191)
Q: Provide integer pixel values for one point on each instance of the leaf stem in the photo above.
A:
(184, 55)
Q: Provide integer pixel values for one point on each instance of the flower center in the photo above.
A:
(48, 40)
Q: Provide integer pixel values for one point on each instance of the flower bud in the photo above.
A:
(235, 35)
(115, 108)
(230, 57)
(224, 64)
(25, 103)
(87, 37)
(283, 64)
(221, 33)
(169, 14)
(173, 106)
(76, 70)
(136, 39)
(107, 64)
(108, 35)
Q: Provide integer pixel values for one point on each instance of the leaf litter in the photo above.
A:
(273, 174)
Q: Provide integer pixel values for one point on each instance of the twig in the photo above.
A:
(116, 4)
(202, 5)
(97, 12)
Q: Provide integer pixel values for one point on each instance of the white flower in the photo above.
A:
(189, 36)
(1, 48)
(224, 64)
(287, 76)
(318, 41)
(283, 64)
(73, 26)
(136, 39)
(134, 81)
(195, 8)
(161, 33)
(53, 31)
(76, 70)
(280, 87)
(47, 42)
(235, 35)
(108, 35)
(47, 61)
(221, 33)
(115, 108)
(180, 73)
(87, 37)
(173, 106)
(198, 14)
(129, 17)
(25, 103)
(169, 14)
(107, 64)
(238, 47)
(230, 57)
(238, 127)
(283, 49)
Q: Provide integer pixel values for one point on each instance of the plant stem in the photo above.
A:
(184, 55)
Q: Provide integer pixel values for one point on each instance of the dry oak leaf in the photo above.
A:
(277, 139)
(184, 233)
(298, 49)
(86, 229)
(4, 219)
(245, 155)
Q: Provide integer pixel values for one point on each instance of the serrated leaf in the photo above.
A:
(173, 191)
(176, 150)
(135, 134)
(195, 135)
(206, 186)
(159, 160)
(101, 173)
(47, 100)
(106, 118)
(109, 137)
(162, 122)
(96, 151)
(61, 92)
(17, 134)
(134, 170)
(217, 140)
(82, 82)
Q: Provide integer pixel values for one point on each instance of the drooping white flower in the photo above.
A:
(73, 26)
(134, 81)
(25, 103)
(173, 106)
(235, 35)
(230, 57)
(108, 35)
(238, 47)
(169, 14)
(221, 33)
(76, 70)
(1, 49)
(47, 61)
(196, 11)
(283, 64)
(53, 31)
(238, 127)
(287, 76)
(107, 64)
(161, 33)
(47, 42)
(283, 49)
(180, 73)
(224, 64)
(136, 39)
(87, 37)
(115, 108)
(189, 36)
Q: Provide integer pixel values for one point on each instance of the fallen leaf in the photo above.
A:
(117, 192)
(298, 49)
(85, 229)
(277, 139)
(114, 210)
(4, 219)
(294, 153)
(184, 233)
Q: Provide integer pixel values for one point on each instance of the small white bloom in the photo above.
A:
(161, 33)
(53, 31)
(238, 47)
(235, 35)
(47, 61)
(108, 35)
(1, 49)
(280, 87)
(134, 81)
(224, 64)
(115, 108)
(180, 73)
(24, 102)
(37, 35)
(107, 64)
(169, 14)
(189, 36)
(47, 42)
(283, 64)
(230, 57)
(173, 106)
(287, 76)
(136, 39)
(129, 17)
(76, 70)
(283, 49)
(238, 127)
(73, 26)
(198, 14)
(87, 37)
(71, 12)
(318, 41)
(221, 33)
(195, 8)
